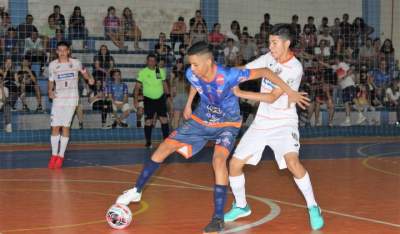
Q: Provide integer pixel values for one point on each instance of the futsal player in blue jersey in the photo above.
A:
(217, 118)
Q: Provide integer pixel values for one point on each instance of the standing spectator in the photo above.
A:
(262, 42)
(393, 99)
(179, 92)
(296, 26)
(63, 89)
(155, 92)
(230, 52)
(361, 31)
(58, 17)
(5, 105)
(77, 29)
(346, 30)
(105, 59)
(310, 24)
(178, 32)
(324, 25)
(381, 78)
(117, 92)
(366, 53)
(130, 28)
(112, 27)
(198, 18)
(28, 82)
(335, 29)
(266, 25)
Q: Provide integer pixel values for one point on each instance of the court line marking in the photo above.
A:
(143, 207)
(371, 167)
(274, 208)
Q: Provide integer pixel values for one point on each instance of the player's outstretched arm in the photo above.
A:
(187, 112)
(294, 97)
(256, 96)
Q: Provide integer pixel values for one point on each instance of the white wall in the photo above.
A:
(153, 16)
(388, 23)
(4, 3)
(250, 13)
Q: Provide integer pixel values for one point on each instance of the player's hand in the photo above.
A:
(300, 98)
(51, 94)
(236, 90)
(187, 112)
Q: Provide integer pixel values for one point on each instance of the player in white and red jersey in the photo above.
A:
(63, 89)
(275, 125)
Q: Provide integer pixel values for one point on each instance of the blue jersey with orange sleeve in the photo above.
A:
(218, 106)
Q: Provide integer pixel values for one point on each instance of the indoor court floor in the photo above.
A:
(356, 183)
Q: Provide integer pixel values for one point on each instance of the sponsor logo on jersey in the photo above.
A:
(220, 79)
(294, 135)
(68, 75)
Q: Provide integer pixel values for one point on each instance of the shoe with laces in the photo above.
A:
(216, 225)
(316, 219)
(130, 195)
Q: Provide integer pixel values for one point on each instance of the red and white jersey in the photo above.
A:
(277, 114)
(65, 76)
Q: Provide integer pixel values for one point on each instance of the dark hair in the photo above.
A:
(113, 71)
(200, 47)
(151, 56)
(56, 6)
(63, 43)
(284, 31)
(180, 18)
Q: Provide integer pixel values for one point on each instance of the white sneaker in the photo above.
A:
(347, 122)
(8, 128)
(361, 119)
(129, 196)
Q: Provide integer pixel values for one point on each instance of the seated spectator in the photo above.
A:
(393, 99)
(381, 78)
(59, 18)
(106, 60)
(130, 29)
(234, 32)
(340, 49)
(199, 33)
(48, 31)
(112, 27)
(323, 51)
(198, 18)
(77, 29)
(325, 36)
(10, 81)
(28, 83)
(230, 52)
(34, 49)
(178, 32)
(346, 31)
(5, 105)
(5, 24)
(24, 30)
(9, 44)
(98, 72)
(296, 26)
(366, 53)
(162, 50)
(361, 102)
(248, 48)
(99, 101)
(117, 92)
(388, 54)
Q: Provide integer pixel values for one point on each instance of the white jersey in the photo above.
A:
(65, 76)
(278, 113)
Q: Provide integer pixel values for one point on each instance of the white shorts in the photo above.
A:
(282, 140)
(123, 108)
(62, 115)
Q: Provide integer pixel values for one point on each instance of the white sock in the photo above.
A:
(305, 187)
(63, 145)
(237, 184)
(54, 140)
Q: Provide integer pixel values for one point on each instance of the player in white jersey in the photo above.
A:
(275, 125)
(63, 89)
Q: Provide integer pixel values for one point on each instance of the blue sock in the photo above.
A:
(149, 168)
(219, 200)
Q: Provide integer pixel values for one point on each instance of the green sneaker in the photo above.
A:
(237, 212)
(316, 220)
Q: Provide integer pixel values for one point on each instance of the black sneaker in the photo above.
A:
(216, 225)
(148, 145)
(124, 125)
(80, 126)
(25, 108)
(114, 125)
(39, 108)
(138, 124)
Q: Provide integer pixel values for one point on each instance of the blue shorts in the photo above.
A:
(192, 136)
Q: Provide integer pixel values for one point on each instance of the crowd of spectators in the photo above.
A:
(344, 66)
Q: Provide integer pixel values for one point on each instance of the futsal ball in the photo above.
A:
(119, 216)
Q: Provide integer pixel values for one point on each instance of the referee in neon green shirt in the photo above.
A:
(156, 95)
